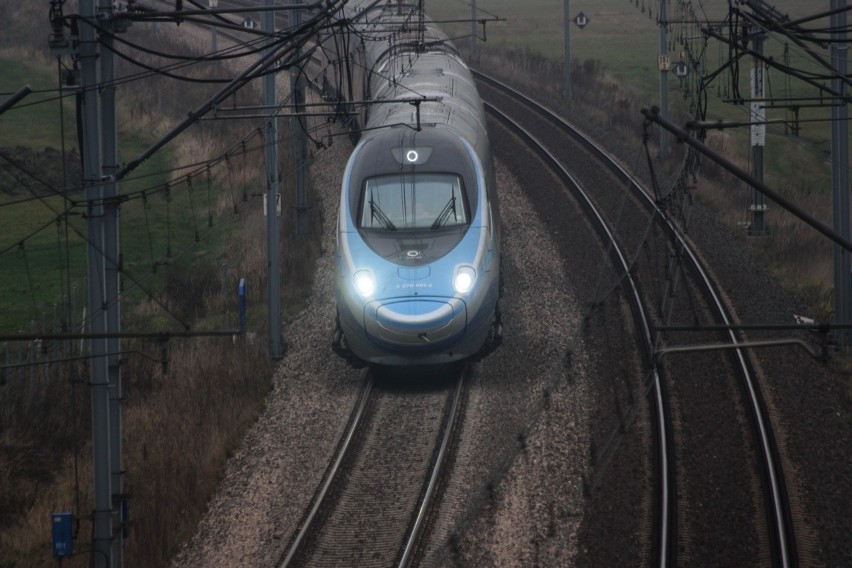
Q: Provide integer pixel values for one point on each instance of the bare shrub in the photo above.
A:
(591, 68)
(177, 440)
(189, 286)
(44, 410)
(799, 255)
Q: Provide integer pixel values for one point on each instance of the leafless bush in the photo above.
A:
(36, 424)
(178, 438)
(800, 255)
(190, 287)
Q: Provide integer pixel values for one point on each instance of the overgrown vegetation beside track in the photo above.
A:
(188, 247)
(608, 107)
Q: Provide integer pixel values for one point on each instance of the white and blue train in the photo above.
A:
(418, 270)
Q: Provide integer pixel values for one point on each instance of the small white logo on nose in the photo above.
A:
(413, 253)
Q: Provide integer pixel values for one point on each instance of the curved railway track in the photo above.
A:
(564, 142)
(607, 211)
(373, 506)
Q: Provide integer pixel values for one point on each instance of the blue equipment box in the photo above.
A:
(63, 543)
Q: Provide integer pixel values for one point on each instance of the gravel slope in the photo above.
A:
(538, 413)
(526, 422)
(516, 495)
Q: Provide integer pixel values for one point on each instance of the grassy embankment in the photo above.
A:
(615, 74)
(179, 426)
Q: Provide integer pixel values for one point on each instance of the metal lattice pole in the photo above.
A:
(757, 116)
(300, 139)
(473, 38)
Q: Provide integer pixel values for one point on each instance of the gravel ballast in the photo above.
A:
(526, 420)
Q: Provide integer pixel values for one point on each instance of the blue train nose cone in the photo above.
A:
(415, 322)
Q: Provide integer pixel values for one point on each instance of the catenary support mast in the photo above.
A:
(273, 234)
(109, 150)
(102, 517)
(473, 38)
(300, 138)
(757, 116)
(566, 24)
(664, 77)
(840, 169)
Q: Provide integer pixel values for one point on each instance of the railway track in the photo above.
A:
(373, 506)
(624, 219)
(689, 529)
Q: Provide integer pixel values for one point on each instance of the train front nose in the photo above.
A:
(415, 323)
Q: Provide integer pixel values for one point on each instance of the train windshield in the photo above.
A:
(413, 201)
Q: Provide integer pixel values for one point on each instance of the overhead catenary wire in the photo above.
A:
(263, 63)
(170, 187)
(242, 49)
(101, 252)
(776, 25)
(205, 165)
(208, 163)
(171, 255)
(196, 167)
(239, 149)
(167, 70)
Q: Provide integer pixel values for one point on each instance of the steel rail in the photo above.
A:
(642, 323)
(331, 474)
(779, 509)
(437, 469)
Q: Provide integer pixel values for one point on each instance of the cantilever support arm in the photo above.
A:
(653, 115)
(662, 352)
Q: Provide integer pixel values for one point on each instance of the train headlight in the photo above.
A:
(464, 279)
(365, 283)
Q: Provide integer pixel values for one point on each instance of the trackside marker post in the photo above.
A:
(241, 292)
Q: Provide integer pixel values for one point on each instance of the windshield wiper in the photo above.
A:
(444, 215)
(377, 213)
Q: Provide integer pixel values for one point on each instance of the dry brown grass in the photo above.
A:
(179, 429)
(179, 436)
(798, 254)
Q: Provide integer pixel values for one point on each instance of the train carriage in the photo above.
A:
(418, 272)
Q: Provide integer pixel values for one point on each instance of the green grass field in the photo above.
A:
(31, 276)
(32, 270)
(160, 230)
(30, 124)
